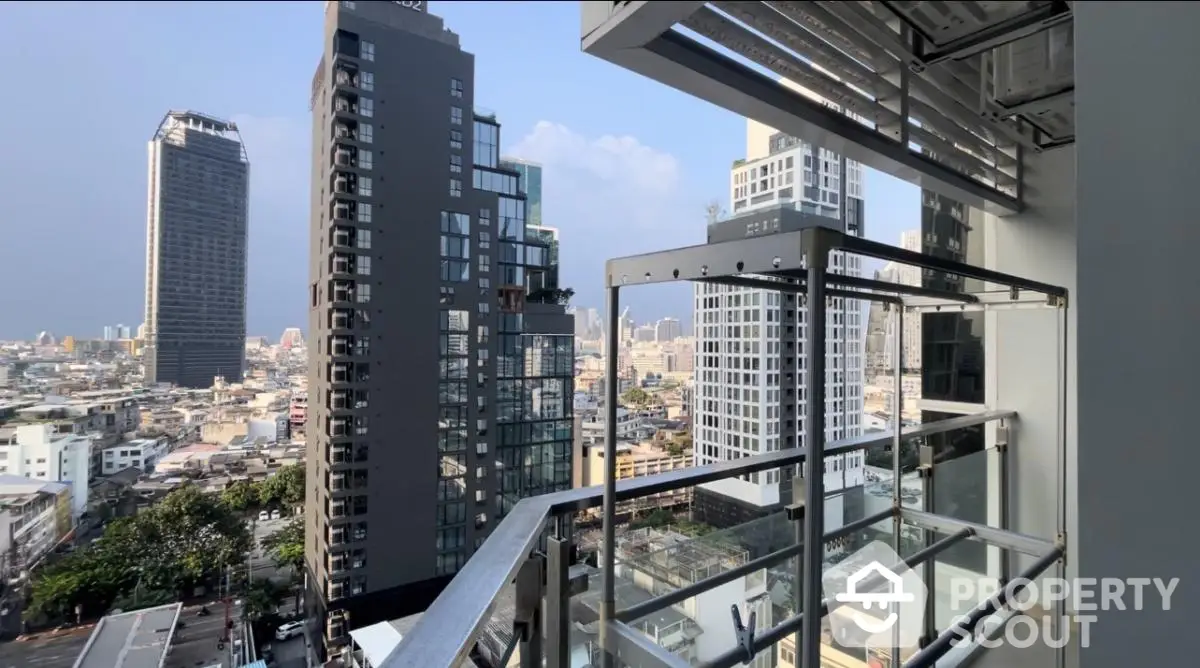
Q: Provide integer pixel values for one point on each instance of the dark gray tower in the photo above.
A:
(440, 357)
(196, 241)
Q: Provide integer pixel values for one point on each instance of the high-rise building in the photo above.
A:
(952, 358)
(110, 333)
(531, 182)
(881, 334)
(196, 243)
(441, 366)
(292, 338)
(793, 184)
(667, 330)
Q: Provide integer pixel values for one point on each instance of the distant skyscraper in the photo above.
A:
(123, 332)
(531, 185)
(110, 333)
(952, 364)
(881, 325)
(442, 362)
(196, 239)
(667, 329)
(292, 338)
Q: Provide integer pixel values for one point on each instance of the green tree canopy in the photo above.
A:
(636, 396)
(240, 495)
(284, 489)
(286, 546)
(185, 539)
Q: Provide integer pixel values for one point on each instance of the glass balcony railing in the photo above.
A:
(550, 589)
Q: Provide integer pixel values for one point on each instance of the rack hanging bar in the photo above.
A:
(753, 255)
(860, 246)
(966, 626)
(773, 635)
(797, 288)
(636, 612)
(882, 286)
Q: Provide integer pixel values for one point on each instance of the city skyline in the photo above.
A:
(609, 192)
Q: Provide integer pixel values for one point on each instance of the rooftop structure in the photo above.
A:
(137, 639)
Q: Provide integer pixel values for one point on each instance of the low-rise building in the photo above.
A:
(633, 461)
(43, 453)
(139, 453)
(34, 517)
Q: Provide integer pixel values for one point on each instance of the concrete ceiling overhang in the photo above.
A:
(946, 95)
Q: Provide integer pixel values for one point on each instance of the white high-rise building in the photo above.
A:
(905, 274)
(736, 402)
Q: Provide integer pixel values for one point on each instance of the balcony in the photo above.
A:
(664, 600)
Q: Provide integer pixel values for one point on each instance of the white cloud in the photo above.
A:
(618, 177)
(611, 197)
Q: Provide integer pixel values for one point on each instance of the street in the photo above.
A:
(49, 649)
(196, 643)
(290, 653)
(261, 565)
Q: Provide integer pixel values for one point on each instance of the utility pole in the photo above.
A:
(228, 623)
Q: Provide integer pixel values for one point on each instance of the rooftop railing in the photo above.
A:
(943, 491)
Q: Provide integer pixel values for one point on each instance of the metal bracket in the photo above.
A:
(925, 459)
(744, 634)
(530, 586)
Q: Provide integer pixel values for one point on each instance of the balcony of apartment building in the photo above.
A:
(1066, 134)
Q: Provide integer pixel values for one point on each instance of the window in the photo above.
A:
(364, 212)
(456, 223)
(456, 271)
(366, 106)
(487, 144)
(364, 186)
(456, 115)
(363, 237)
(366, 50)
(455, 164)
(366, 160)
(458, 248)
(455, 188)
(456, 87)
(363, 293)
(366, 133)
(456, 140)
(347, 4)
(363, 265)
(366, 81)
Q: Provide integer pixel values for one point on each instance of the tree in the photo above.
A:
(563, 295)
(187, 538)
(240, 495)
(636, 396)
(674, 449)
(284, 489)
(286, 546)
(262, 598)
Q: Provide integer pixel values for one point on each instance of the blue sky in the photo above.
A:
(629, 164)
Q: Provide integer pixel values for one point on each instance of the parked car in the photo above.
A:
(289, 630)
(275, 514)
(263, 516)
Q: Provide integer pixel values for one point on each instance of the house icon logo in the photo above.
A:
(875, 599)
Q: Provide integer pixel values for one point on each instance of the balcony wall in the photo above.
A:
(1115, 220)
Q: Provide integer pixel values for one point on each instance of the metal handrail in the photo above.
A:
(448, 629)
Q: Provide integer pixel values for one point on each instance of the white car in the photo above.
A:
(289, 630)
(263, 516)
(275, 514)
